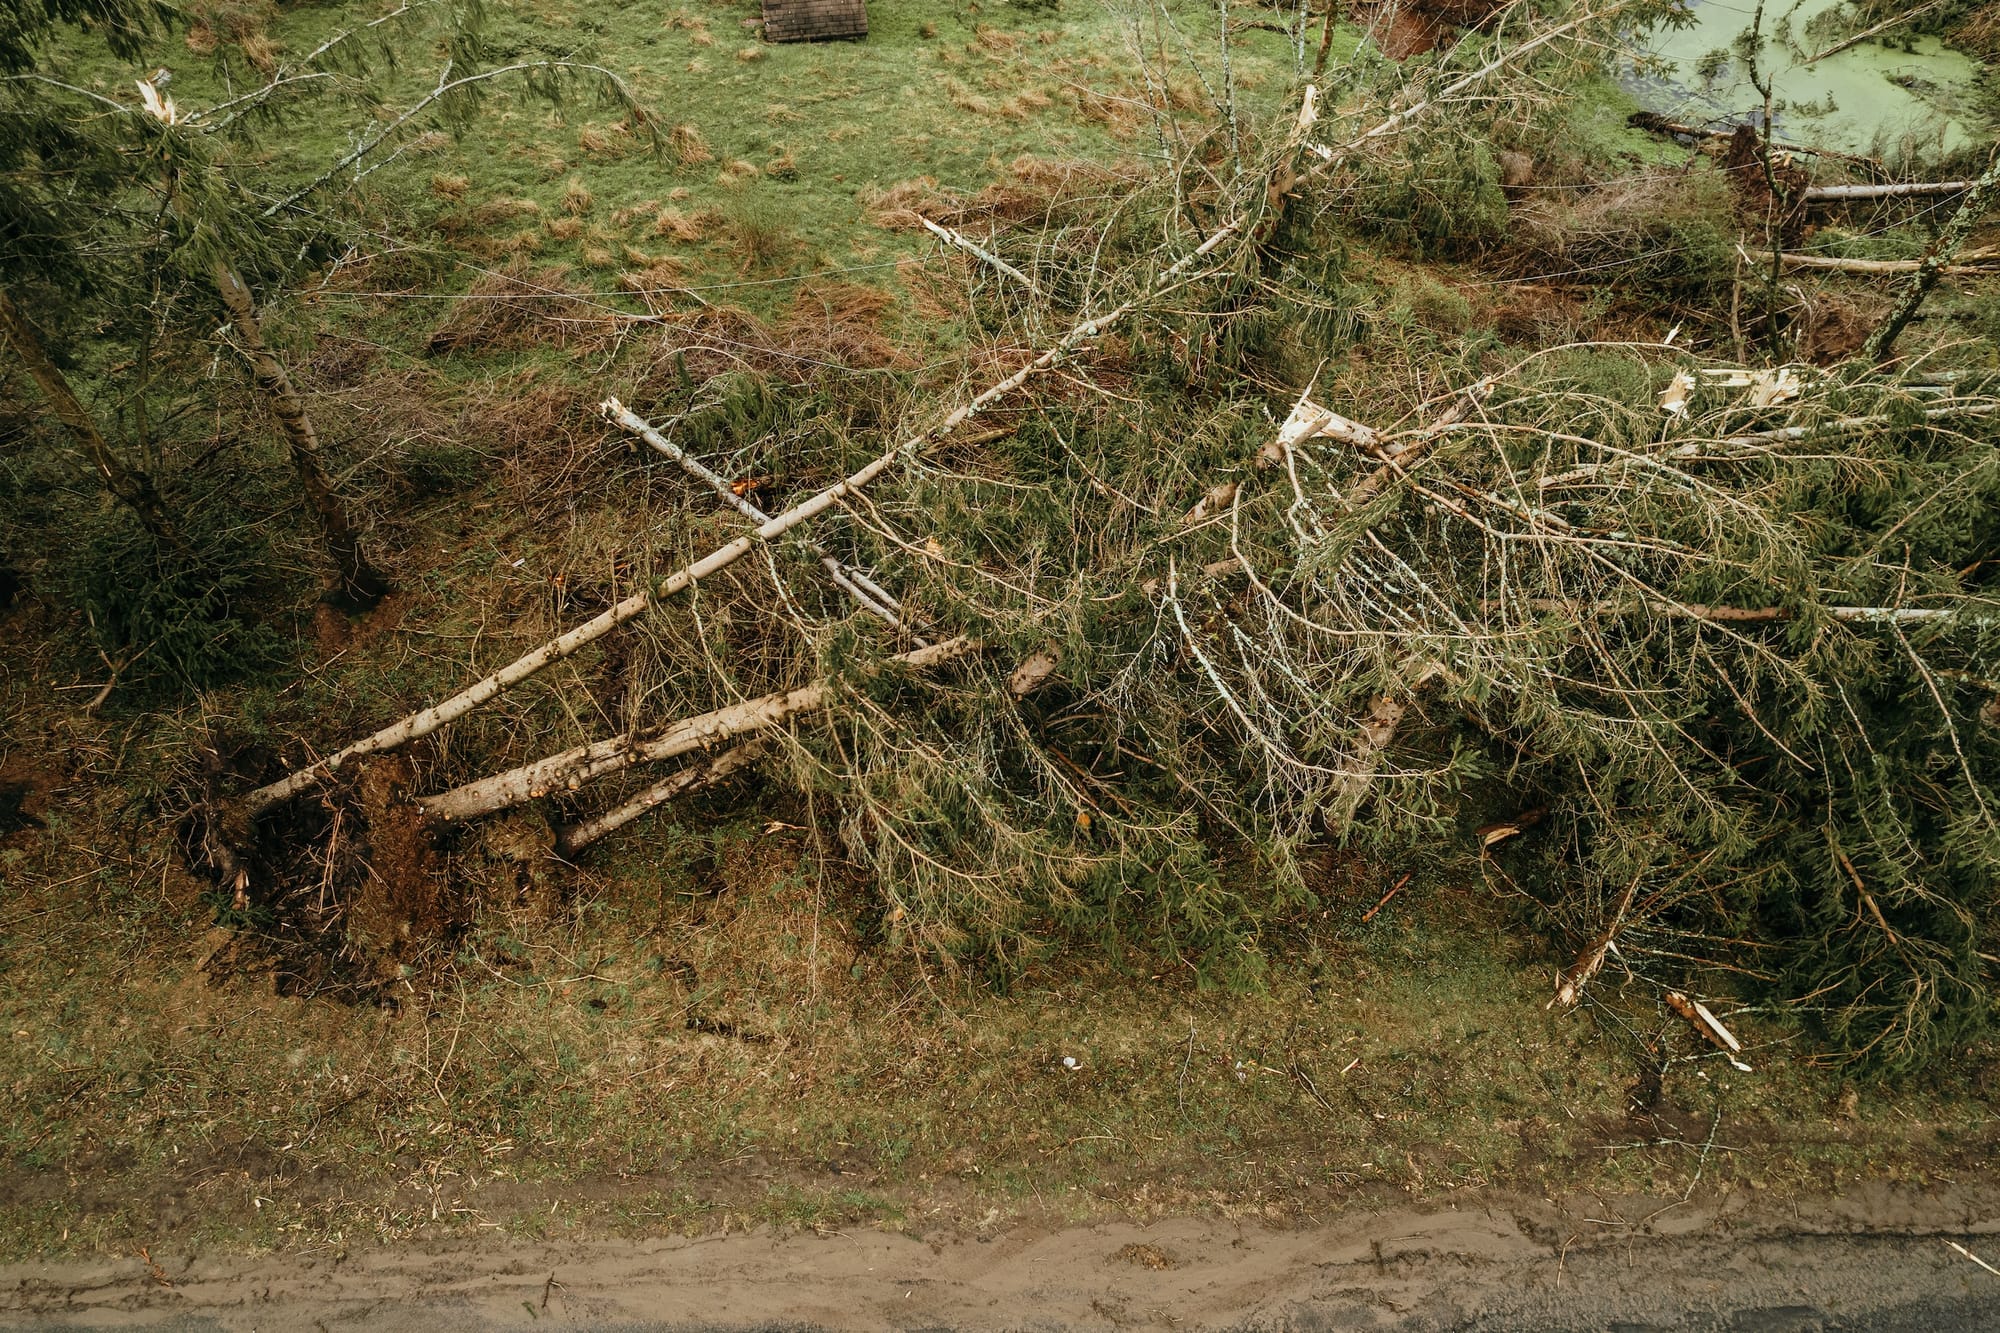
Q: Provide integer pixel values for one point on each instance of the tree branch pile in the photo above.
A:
(1194, 614)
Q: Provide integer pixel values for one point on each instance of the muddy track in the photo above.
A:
(1877, 1259)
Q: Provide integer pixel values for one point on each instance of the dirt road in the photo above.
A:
(1877, 1259)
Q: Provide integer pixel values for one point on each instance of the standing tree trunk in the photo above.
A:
(1881, 344)
(133, 487)
(358, 584)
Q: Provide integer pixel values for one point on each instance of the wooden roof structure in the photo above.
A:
(815, 20)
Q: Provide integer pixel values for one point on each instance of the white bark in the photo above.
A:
(695, 777)
(1969, 265)
(849, 580)
(572, 768)
(950, 236)
(1834, 194)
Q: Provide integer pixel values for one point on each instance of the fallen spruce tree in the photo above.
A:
(1729, 630)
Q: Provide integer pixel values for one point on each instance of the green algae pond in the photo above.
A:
(1898, 96)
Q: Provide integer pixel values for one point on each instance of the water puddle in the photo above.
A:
(1869, 98)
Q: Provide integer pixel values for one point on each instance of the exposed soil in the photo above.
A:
(25, 791)
(1879, 1258)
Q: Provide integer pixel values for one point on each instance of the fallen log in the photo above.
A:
(1847, 194)
(1970, 264)
(571, 769)
(1750, 615)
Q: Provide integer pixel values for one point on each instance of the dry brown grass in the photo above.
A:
(450, 187)
(1649, 227)
(577, 199)
(503, 208)
(1026, 103)
(1034, 190)
(1981, 31)
(631, 213)
(992, 41)
(260, 51)
(829, 326)
(966, 100)
(611, 141)
(523, 306)
(686, 228)
(654, 282)
(688, 146)
(564, 228)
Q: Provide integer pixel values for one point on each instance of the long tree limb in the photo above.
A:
(571, 769)
(951, 236)
(1971, 264)
(849, 580)
(1841, 194)
(131, 486)
(1881, 344)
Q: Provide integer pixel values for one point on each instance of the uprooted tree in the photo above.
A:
(1732, 629)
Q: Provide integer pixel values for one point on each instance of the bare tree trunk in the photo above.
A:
(1881, 345)
(1970, 264)
(134, 488)
(572, 768)
(358, 585)
(1836, 194)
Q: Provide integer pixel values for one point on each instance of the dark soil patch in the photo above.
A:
(25, 791)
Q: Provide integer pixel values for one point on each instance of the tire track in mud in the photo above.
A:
(1876, 1259)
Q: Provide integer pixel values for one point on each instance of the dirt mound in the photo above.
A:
(400, 907)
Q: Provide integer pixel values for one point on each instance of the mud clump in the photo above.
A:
(401, 905)
(1769, 203)
(1146, 1256)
